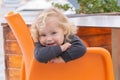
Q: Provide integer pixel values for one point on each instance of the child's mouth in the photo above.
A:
(51, 44)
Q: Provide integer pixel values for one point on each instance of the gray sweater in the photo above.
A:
(44, 54)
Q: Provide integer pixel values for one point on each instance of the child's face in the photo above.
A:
(51, 34)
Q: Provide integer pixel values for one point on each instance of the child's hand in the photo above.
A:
(65, 46)
(57, 60)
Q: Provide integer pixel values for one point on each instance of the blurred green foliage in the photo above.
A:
(98, 6)
(65, 7)
(92, 6)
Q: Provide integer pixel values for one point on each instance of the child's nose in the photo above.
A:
(49, 38)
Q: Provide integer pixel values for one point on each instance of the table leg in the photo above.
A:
(116, 52)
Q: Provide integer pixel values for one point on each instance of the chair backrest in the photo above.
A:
(22, 34)
(96, 64)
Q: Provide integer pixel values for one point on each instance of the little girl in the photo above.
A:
(55, 39)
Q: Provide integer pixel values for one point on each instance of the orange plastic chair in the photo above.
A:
(96, 64)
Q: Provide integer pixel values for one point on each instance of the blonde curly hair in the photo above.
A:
(62, 21)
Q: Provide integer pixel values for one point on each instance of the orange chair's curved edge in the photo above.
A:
(99, 50)
(10, 13)
(108, 60)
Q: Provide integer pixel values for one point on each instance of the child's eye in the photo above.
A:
(54, 32)
(42, 35)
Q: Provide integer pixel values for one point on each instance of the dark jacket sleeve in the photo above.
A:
(44, 54)
(76, 50)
